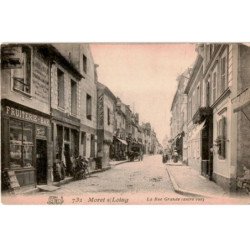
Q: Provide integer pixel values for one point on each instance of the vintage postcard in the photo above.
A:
(125, 123)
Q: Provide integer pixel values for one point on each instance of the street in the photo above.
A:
(148, 176)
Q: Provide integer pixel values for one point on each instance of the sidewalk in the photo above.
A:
(187, 181)
(56, 185)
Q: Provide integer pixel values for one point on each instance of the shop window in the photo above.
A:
(21, 144)
(84, 63)
(22, 75)
(73, 97)
(89, 107)
(222, 138)
(92, 146)
(60, 88)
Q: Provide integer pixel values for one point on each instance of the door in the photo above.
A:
(41, 161)
(67, 159)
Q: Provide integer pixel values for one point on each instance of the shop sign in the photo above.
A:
(40, 131)
(241, 100)
(20, 114)
(41, 79)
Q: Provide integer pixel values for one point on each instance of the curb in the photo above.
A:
(179, 190)
(119, 163)
(70, 179)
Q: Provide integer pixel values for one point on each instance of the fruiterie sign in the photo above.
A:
(21, 114)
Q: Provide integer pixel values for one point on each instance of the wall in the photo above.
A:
(108, 103)
(67, 90)
(222, 166)
(243, 125)
(39, 98)
(194, 147)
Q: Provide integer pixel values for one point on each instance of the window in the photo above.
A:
(89, 107)
(190, 109)
(66, 134)
(208, 94)
(73, 97)
(108, 116)
(84, 63)
(92, 146)
(198, 97)
(214, 87)
(83, 142)
(21, 144)
(222, 137)
(223, 74)
(22, 76)
(60, 88)
(193, 103)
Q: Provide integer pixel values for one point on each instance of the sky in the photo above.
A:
(144, 77)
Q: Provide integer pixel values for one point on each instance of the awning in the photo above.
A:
(196, 130)
(122, 141)
(241, 100)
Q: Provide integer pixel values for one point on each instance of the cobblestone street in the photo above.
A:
(148, 176)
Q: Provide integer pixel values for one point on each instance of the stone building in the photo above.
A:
(105, 123)
(197, 154)
(119, 142)
(219, 78)
(65, 110)
(146, 130)
(25, 117)
(80, 56)
(178, 122)
(241, 107)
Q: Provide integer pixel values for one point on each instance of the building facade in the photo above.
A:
(120, 145)
(26, 127)
(178, 123)
(106, 124)
(218, 124)
(80, 56)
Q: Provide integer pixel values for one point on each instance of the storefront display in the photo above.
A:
(24, 133)
(21, 144)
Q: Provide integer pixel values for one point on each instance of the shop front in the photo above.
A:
(120, 148)
(66, 134)
(26, 144)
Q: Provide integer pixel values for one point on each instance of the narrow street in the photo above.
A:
(148, 176)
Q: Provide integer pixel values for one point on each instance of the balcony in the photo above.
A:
(201, 114)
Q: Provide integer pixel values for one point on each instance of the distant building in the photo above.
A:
(119, 141)
(105, 123)
(178, 122)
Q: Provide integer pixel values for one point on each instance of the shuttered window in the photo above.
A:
(89, 107)
(60, 88)
(222, 137)
(223, 74)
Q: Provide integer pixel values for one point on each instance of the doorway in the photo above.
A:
(67, 159)
(41, 161)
